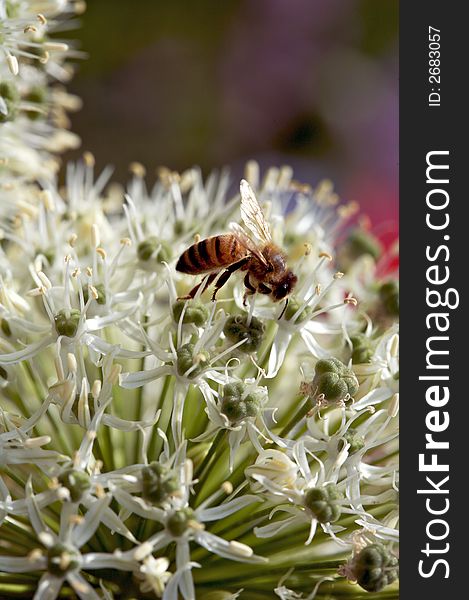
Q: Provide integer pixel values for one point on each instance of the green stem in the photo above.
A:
(138, 409)
(203, 470)
(302, 411)
(165, 404)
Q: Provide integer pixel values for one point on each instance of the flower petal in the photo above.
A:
(274, 528)
(19, 564)
(48, 588)
(229, 550)
(81, 587)
(140, 378)
(227, 508)
(137, 505)
(12, 358)
(101, 560)
(84, 530)
(186, 584)
(278, 351)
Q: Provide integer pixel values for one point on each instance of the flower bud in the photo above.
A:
(361, 242)
(389, 296)
(158, 483)
(146, 250)
(237, 404)
(186, 360)
(179, 227)
(11, 98)
(237, 329)
(334, 380)
(362, 351)
(375, 567)
(356, 441)
(66, 322)
(178, 522)
(37, 95)
(323, 503)
(62, 559)
(76, 482)
(196, 312)
(5, 327)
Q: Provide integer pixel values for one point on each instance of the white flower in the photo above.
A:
(62, 560)
(183, 524)
(148, 422)
(68, 327)
(300, 316)
(191, 362)
(155, 574)
(379, 379)
(316, 497)
(239, 410)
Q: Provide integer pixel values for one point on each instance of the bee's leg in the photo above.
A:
(283, 310)
(247, 283)
(250, 290)
(227, 274)
(195, 289)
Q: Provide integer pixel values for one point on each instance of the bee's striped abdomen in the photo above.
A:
(211, 254)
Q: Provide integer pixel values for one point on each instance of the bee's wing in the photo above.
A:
(246, 241)
(252, 214)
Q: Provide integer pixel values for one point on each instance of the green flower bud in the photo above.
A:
(329, 365)
(5, 327)
(179, 227)
(290, 239)
(196, 312)
(362, 351)
(334, 380)
(375, 567)
(186, 360)
(356, 441)
(66, 322)
(237, 329)
(99, 287)
(389, 296)
(62, 559)
(11, 97)
(362, 242)
(293, 305)
(178, 522)
(146, 250)
(158, 483)
(237, 405)
(323, 503)
(76, 482)
(38, 95)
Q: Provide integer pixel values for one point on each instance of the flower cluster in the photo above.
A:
(181, 448)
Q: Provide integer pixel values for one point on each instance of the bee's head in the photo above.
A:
(285, 286)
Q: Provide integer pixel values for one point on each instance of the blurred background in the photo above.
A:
(310, 83)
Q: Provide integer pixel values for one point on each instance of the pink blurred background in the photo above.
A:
(310, 83)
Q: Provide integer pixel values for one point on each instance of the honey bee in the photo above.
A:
(265, 263)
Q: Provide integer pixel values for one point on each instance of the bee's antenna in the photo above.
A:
(284, 309)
